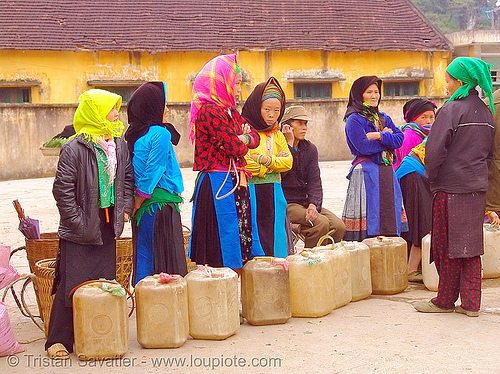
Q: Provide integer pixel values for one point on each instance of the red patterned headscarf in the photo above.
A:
(213, 84)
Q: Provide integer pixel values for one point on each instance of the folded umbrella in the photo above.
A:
(28, 226)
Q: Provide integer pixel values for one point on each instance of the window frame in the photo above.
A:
(392, 83)
(110, 84)
(21, 87)
(325, 89)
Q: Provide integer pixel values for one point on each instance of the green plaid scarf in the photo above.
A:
(387, 156)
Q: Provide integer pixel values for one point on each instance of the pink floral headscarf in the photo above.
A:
(213, 84)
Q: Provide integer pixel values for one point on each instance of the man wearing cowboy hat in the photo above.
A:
(302, 184)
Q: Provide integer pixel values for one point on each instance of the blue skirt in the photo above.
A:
(270, 228)
(374, 202)
(159, 243)
(221, 231)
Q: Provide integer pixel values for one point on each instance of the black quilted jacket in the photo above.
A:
(76, 190)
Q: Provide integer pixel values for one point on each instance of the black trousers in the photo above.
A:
(77, 263)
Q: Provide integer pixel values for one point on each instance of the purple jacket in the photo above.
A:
(357, 126)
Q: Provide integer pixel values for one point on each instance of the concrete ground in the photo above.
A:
(381, 334)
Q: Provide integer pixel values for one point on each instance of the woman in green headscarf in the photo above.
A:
(93, 189)
(457, 149)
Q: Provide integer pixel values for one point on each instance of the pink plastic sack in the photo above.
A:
(7, 273)
(8, 343)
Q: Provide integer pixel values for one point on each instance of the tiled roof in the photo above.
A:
(216, 25)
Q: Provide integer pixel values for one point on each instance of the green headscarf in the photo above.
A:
(90, 117)
(472, 72)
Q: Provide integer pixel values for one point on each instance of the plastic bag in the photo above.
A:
(8, 343)
(114, 289)
(7, 273)
(165, 277)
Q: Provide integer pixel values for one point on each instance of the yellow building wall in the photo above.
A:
(393, 64)
(65, 75)
(348, 66)
(253, 63)
(283, 62)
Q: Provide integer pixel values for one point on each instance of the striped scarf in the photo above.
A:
(106, 164)
(272, 91)
(372, 116)
(423, 131)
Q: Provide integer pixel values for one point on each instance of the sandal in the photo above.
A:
(416, 277)
(430, 307)
(468, 313)
(57, 351)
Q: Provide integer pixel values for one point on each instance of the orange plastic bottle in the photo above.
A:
(341, 272)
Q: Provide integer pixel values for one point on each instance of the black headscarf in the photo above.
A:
(251, 109)
(145, 109)
(355, 104)
(415, 107)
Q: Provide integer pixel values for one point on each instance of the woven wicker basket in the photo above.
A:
(44, 280)
(124, 262)
(41, 249)
(46, 248)
(187, 235)
(48, 244)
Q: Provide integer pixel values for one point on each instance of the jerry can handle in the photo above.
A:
(324, 237)
(105, 281)
(264, 258)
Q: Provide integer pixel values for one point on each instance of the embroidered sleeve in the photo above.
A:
(253, 136)
(222, 132)
(253, 166)
(278, 164)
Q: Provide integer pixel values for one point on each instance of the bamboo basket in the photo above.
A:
(124, 261)
(41, 249)
(186, 233)
(46, 248)
(48, 244)
(44, 280)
